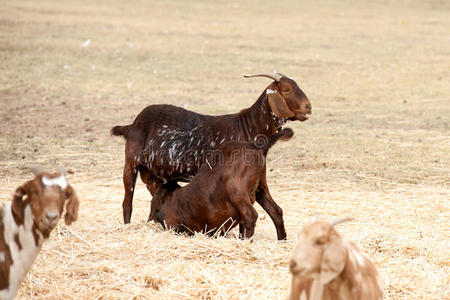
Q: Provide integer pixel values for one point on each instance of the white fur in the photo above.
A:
(303, 295)
(22, 259)
(59, 181)
(357, 256)
(269, 91)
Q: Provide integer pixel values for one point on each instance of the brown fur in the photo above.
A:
(159, 129)
(325, 265)
(222, 193)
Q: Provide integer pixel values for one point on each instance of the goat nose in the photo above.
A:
(51, 216)
(309, 107)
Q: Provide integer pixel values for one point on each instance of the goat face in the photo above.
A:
(297, 102)
(286, 99)
(48, 203)
(46, 195)
(162, 193)
(319, 253)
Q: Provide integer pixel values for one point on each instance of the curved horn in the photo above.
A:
(338, 221)
(275, 77)
(282, 75)
(64, 171)
(36, 169)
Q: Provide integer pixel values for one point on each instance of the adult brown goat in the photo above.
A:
(222, 193)
(178, 138)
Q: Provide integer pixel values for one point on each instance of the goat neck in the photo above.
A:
(259, 118)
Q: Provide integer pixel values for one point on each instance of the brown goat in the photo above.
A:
(176, 140)
(222, 193)
(325, 265)
(27, 222)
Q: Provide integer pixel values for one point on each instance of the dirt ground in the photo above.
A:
(376, 148)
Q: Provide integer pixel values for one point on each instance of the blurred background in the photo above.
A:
(376, 147)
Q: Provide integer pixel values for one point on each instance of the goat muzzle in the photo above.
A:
(302, 116)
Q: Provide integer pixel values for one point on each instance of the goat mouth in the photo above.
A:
(302, 116)
(301, 273)
(297, 272)
(47, 227)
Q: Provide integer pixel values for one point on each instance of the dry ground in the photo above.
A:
(377, 147)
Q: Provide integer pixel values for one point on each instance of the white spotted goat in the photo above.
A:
(26, 222)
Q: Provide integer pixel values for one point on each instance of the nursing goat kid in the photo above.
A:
(26, 222)
(327, 266)
(222, 193)
(176, 140)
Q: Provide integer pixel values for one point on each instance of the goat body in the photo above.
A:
(26, 223)
(222, 193)
(176, 139)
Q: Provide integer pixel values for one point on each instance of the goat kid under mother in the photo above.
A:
(179, 140)
(222, 193)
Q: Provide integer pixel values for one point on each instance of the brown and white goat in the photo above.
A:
(325, 265)
(26, 222)
(176, 140)
(222, 193)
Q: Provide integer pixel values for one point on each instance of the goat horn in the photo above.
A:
(338, 221)
(64, 171)
(275, 77)
(282, 75)
(36, 169)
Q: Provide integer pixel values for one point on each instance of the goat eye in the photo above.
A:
(320, 242)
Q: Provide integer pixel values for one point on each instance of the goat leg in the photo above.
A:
(275, 212)
(241, 230)
(248, 216)
(129, 182)
(133, 148)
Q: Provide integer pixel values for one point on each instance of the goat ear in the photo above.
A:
(333, 261)
(278, 105)
(17, 203)
(71, 205)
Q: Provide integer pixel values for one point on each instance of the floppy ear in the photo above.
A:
(71, 205)
(333, 260)
(278, 105)
(28, 189)
(17, 203)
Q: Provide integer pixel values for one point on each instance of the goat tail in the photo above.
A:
(284, 135)
(121, 131)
